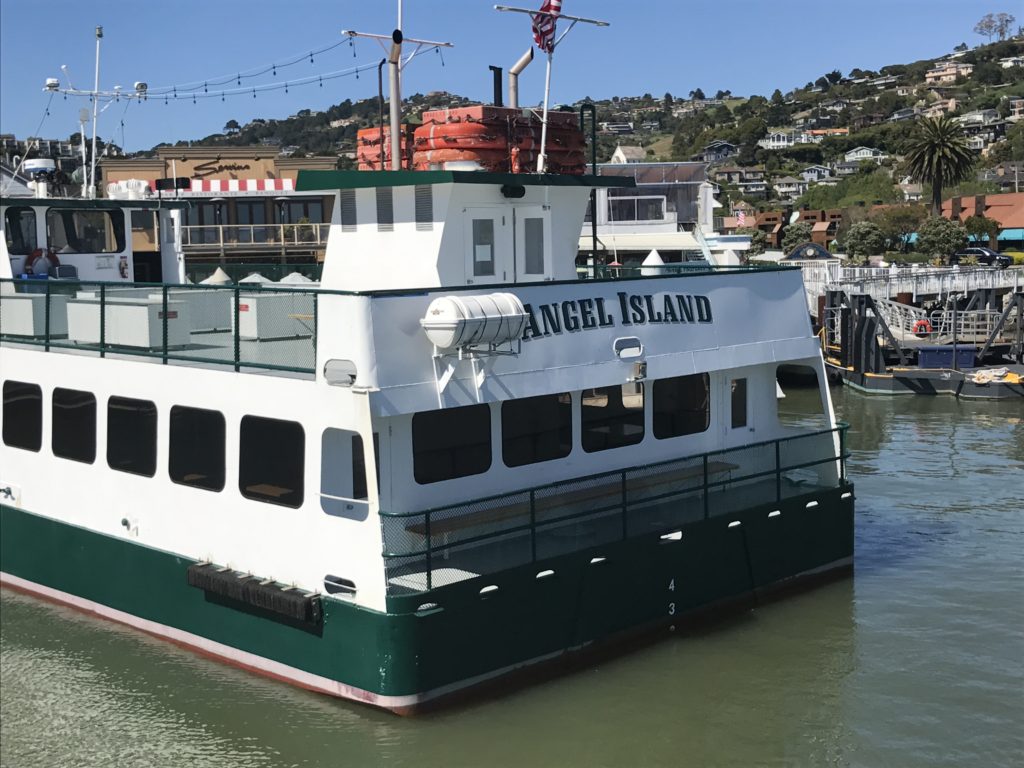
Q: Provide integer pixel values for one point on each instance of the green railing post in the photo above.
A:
(46, 318)
(430, 546)
(103, 320)
(163, 325)
(238, 350)
(316, 320)
(842, 452)
(533, 526)
(707, 501)
(625, 531)
(778, 471)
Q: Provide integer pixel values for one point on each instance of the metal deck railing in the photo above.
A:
(240, 327)
(434, 547)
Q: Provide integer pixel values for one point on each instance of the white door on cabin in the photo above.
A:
(532, 243)
(488, 236)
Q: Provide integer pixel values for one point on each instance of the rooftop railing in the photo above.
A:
(234, 236)
(435, 547)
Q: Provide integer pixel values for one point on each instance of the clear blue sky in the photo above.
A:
(656, 46)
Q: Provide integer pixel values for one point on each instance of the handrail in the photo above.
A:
(306, 234)
(515, 513)
(841, 427)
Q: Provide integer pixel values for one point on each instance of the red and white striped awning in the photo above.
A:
(239, 186)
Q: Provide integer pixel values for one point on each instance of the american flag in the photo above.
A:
(544, 25)
(741, 218)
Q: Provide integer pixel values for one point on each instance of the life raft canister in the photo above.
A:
(922, 328)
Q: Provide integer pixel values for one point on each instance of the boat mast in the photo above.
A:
(95, 105)
(392, 45)
(573, 21)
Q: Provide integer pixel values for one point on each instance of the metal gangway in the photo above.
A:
(918, 282)
(912, 326)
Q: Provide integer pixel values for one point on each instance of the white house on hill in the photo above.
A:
(628, 154)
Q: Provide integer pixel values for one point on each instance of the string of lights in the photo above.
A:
(237, 77)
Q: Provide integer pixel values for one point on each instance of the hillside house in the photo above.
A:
(835, 105)
(941, 107)
(717, 151)
(777, 140)
(1012, 61)
(847, 169)
(1016, 110)
(812, 174)
(618, 128)
(909, 113)
(947, 72)
(790, 187)
(865, 153)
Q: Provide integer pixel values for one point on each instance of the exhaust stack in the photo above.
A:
(394, 62)
(496, 71)
(513, 77)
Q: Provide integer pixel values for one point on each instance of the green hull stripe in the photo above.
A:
(642, 582)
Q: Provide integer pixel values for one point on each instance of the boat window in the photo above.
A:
(385, 209)
(342, 465)
(197, 448)
(20, 230)
(739, 403)
(681, 405)
(535, 429)
(424, 207)
(798, 398)
(71, 230)
(612, 417)
(73, 431)
(271, 460)
(483, 247)
(131, 436)
(533, 231)
(348, 209)
(23, 415)
(450, 443)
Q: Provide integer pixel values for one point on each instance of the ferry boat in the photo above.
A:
(456, 458)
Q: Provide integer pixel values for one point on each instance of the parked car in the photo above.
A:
(985, 256)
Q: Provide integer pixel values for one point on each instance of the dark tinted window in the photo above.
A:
(74, 425)
(20, 230)
(612, 417)
(535, 429)
(450, 443)
(197, 448)
(682, 405)
(739, 403)
(23, 415)
(271, 460)
(131, 436)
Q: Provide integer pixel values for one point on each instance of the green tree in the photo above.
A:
(982, 228)
(938, 155)
(939, 238)
(865, 238)
(232, 126)
(898, 223)
(988, 73)
(795, 235)
(758, 240)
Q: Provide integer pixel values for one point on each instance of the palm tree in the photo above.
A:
(938, 154)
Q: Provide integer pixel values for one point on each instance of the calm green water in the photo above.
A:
(917, 660)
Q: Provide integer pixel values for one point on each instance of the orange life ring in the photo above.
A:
(922, 328)
(51, 257)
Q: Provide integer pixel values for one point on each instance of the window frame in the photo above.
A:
(660, 384)
(245, 446)
(428, 421)
(562, 429)
(174, 415)
(133, 454)
(611, 419)
(8, 438)
(56, 428)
